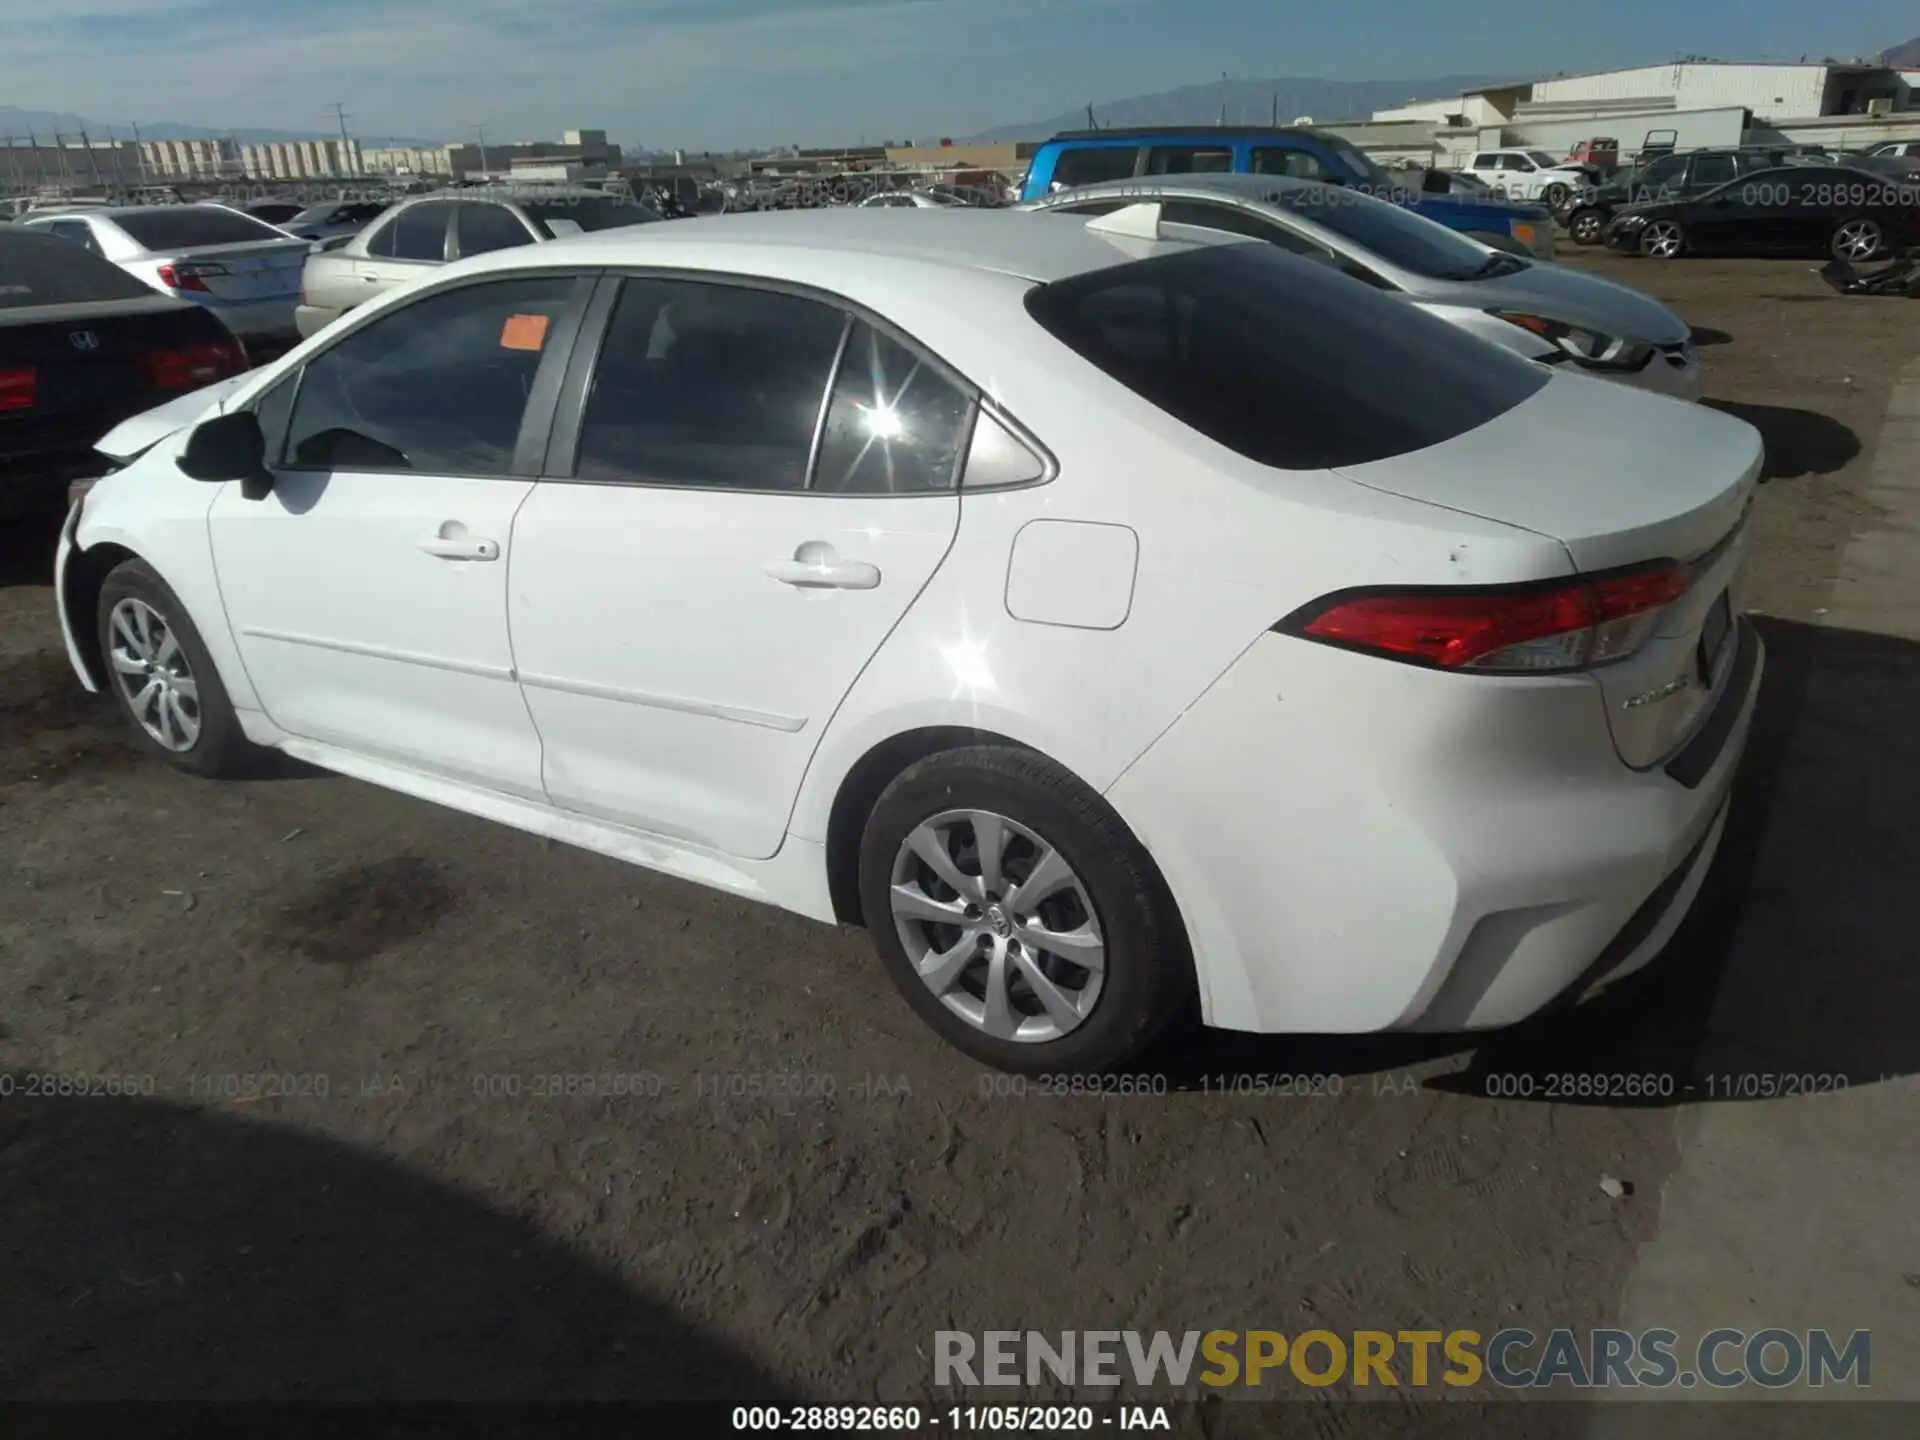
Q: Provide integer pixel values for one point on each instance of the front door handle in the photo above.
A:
(461, 547)
(814, 566)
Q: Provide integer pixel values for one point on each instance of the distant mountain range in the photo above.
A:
(1248, 102)
(1903, 57)
(45, 124)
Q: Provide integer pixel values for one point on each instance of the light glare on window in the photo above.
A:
(884, 423)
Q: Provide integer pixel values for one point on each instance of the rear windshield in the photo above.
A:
(1281, 358)
(38, 269)
(338, 214)
(190, 225)
(1398, 236)
(596, 213)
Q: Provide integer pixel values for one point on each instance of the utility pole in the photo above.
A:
(340, 114)
(93, 162)
(1223, 97)
(481, 131)
(139, 151)
(1276, 109)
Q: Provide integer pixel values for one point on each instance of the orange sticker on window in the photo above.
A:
(523, 332)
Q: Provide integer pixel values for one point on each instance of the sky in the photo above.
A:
(713, 74)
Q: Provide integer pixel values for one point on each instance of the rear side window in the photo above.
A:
(39, 269)
(1713, 169)
(895, 424)
(484, 228)
(418, 232)
(1280, 359)
(1091, 164)
(176, 229)
(1189, 160)
(1275, 160)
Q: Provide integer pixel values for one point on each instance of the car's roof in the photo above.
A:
(1237, 187)
(506, 193)
(1037, 247)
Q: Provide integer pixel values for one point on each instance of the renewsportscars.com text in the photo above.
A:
(1513, 1358)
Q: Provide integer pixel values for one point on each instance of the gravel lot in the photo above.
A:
(432, 1226)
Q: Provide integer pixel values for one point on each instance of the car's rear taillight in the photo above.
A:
(1514, 630)
(190, 367)
(19, 389)
(189, 277)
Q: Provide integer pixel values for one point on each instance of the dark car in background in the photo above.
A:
(84, 345)
(335, 220)
(1667, 177)
(1845, 213)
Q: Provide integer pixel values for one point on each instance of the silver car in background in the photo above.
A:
(243, 270)
(1551, 313)
(421, 234)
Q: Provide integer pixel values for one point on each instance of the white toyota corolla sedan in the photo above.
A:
(1094, 616)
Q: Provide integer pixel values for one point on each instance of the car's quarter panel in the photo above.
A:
(678, 686)
(1397, 847)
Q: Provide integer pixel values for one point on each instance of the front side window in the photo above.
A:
(895, 425)
(1663, 171)
(438, 385)
(1189, 160)
(485, 228)
(1280, 360)
(1714, 170)
(1092, 164)
(708, 386)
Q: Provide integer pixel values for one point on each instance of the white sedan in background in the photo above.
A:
(1094, 618)
(1554, 314)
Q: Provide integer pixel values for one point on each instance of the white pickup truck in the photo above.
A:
(1529, 175)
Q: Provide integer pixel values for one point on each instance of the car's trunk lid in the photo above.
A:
(254, 271)
(1620, 478)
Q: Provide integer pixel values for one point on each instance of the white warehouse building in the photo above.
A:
(1696, 102)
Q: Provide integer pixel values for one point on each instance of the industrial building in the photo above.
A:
(303, 160)
(1704, 102)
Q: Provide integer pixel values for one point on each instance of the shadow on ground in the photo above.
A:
(159, 1252)
(1704, 335)
(1799, 442)
(27, 545)
(1798, 957)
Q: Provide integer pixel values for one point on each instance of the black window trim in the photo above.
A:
(563, 442)
(536, 421)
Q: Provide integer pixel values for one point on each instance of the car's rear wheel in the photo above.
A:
(1554, 196)
(1663, 240)
(162, 677)
(1857, 240)
(1018, 915)
(1586, 226)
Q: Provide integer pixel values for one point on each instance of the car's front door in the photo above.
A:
(368, 592)
(756, 489)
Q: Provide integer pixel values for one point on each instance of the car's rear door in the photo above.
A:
(367, 593)
(747, 490)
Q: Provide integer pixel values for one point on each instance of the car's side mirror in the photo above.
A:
(229, 447)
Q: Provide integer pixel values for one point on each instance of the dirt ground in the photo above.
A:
(791, 1186)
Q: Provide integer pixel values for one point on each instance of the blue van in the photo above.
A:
(1086, 157)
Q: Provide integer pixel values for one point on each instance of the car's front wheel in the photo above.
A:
(1663, 240)
(1554, 196)
(162, 677)
(1018, 915)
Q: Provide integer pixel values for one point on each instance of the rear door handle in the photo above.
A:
(825, 573)
(461, 547)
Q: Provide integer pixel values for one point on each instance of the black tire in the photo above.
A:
(221, 747)
(1554, 196)
(1587, 227)
(1148, 973)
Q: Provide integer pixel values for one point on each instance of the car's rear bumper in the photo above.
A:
(1357, 845)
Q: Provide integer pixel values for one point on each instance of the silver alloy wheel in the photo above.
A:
(1857, 240)
(1586, 227)
(998, 926)
(1661, 239)
(153, 675)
